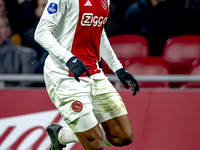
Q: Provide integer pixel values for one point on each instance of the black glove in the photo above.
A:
(77, 67)
(126, 78)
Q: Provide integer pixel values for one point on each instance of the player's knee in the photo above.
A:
(126, 139)
(122, 139)
(95, 144)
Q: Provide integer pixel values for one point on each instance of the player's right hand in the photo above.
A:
(77, 67)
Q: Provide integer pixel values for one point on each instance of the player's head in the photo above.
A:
(5, 30)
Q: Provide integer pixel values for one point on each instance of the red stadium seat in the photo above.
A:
(180, 52)
(126, 47)
(129, 45)
(195, 70)
(149, 66)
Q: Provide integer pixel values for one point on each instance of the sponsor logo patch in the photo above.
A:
(89, 19)
(53, 7)
(77, 106)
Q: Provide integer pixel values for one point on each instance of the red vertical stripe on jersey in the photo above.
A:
(86, 44)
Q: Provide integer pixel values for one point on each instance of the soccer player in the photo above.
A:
(72, 32)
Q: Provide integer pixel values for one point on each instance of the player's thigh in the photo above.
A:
(106, 101)
(119, 130)
(111, 112)
(91, 139)
(87, 131)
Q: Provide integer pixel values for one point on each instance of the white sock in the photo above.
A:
(66, 136)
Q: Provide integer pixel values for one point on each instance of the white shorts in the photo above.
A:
(75, 99)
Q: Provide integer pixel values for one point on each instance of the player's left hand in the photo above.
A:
(126, 78)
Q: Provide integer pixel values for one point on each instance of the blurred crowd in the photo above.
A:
(19, 52)
(156, 20)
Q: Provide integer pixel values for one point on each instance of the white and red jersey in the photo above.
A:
(76, 27)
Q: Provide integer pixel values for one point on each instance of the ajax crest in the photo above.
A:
(104, 4)
(77, 106)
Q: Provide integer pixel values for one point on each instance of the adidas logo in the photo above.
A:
(88, 3)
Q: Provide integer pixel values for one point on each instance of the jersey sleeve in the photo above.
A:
(108, 54)
(54, 10)
(46, 28)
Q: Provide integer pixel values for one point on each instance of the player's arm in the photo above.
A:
(108, 54)
(44, 35)
(45, 38)
(46, 29)
(114, 64)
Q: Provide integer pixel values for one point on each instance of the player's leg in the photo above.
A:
(85, 130)
(111, 112)
(88, 132)
(91, 139)
(118, 130)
